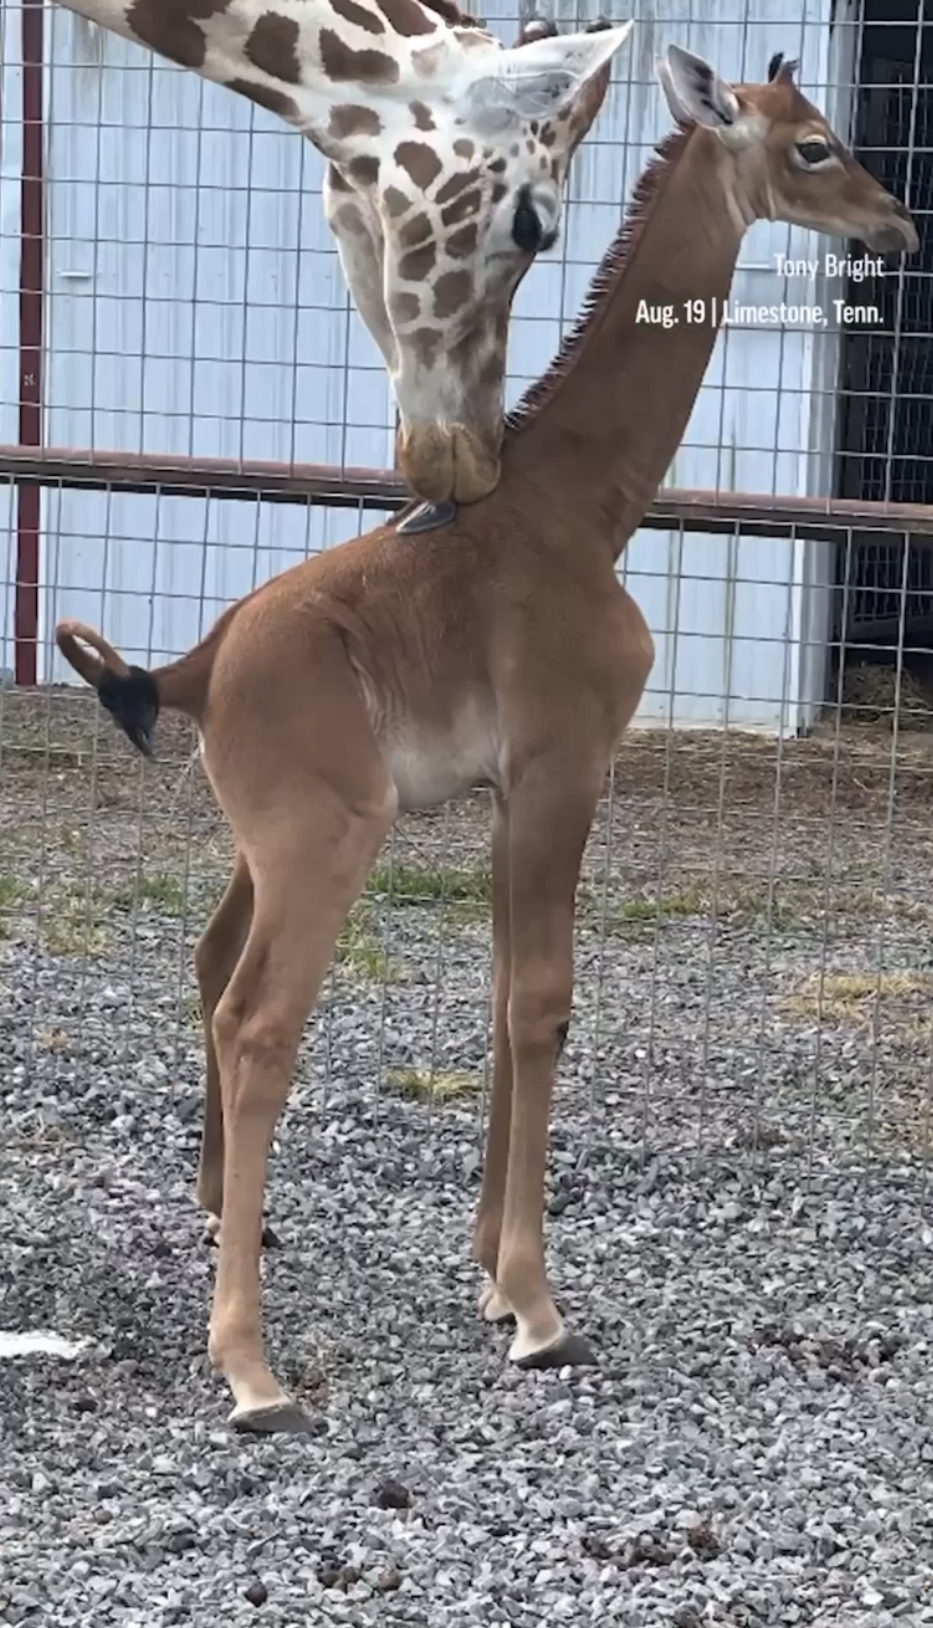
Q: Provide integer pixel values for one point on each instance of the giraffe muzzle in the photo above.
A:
(897, 236)
(447, 463)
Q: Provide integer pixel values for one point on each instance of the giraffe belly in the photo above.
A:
(428, 768)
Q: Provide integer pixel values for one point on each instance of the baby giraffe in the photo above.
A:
(393, 674)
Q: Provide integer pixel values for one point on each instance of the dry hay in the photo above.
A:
(872, 693)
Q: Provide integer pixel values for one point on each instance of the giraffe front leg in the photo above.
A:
(550, 812)
(493, 1305)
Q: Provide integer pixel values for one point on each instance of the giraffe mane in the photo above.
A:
(651, 181)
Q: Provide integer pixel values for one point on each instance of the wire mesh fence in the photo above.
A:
(753, 944)
(753, 960)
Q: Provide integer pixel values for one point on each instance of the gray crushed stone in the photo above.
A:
(737, 1218)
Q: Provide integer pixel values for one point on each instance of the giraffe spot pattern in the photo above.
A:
(407, 17)
(423, 117)
(338, 182)
(418, 264)
(427, 342)
(364, 169)
(395, 202)
(352, 120)
(451, 291)
(340, 62)
(420, 161)
(490, 374)
(462, 243)
(415, 231)
(274, 101)
(405, 307)
(464, 149)
(454, 185)
(170, 27)
(273, 47)
(360, 15)
(467, 204)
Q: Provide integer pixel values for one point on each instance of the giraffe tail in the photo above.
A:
(134, 696)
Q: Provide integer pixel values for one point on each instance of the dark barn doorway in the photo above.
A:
(885, 426)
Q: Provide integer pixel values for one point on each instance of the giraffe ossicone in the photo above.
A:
(447, 157)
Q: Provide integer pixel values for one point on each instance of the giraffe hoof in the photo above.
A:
(283, 1418)
(211, 1235)
(427, 517)
(494, 1308)
(570, 1351)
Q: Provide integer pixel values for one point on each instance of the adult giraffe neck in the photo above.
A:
(598, 432)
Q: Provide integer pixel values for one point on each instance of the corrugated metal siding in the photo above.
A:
(196, 305)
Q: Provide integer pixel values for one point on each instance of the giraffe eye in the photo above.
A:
(813, 151)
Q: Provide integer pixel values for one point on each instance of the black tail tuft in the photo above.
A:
(132, 699)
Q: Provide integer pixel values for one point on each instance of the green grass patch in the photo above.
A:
(74, 920)
(360, 950)
(191, 1015)
(160, 892)
(702, 898)
(731, 900)
(12, 894)
(464, 891)
(420, 1085)
(36, 753)
(852, 997)
(423, 884)
(12, 891)
(72, 841)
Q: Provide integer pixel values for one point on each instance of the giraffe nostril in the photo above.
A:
(527, 233)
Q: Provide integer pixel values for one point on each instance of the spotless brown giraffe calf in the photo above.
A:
(393, 673)
(447, 158)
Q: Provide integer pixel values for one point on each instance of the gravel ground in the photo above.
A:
(737, 1214)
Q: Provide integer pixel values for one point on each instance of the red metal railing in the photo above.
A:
(758, 513)
(31, 467)
(31, 301)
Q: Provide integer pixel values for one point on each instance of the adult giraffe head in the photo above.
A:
(447, 159)
(437, 225)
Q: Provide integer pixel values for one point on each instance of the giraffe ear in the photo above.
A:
(694, 91)
(541, 76)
